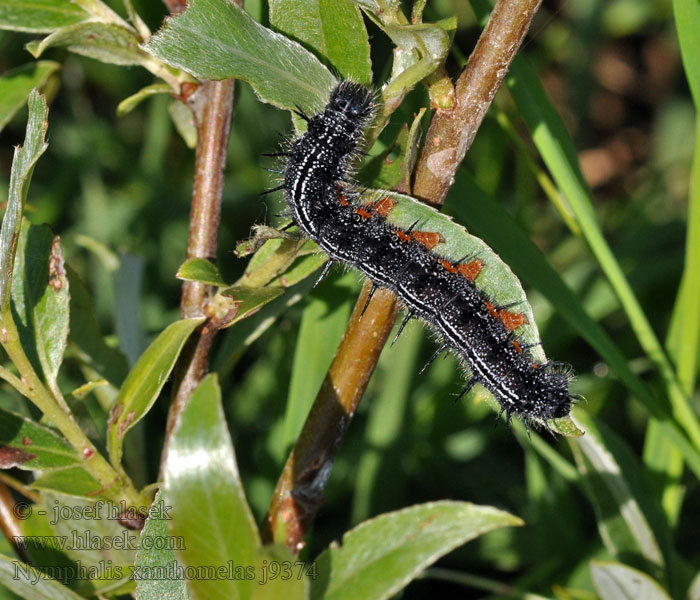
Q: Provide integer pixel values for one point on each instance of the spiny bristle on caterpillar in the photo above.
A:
(327, 206)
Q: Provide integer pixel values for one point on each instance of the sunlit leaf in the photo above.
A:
(22, 167)
(157, 554)
(380, 556)
(201, 270)
(40, 16)
(213, 39)
(209, 508)
(615, 581)
(335, 30)
(144, 382)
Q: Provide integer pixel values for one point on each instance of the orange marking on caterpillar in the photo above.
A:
(492, 309)
(535, 365)
(517, 346)
(363, 212)
(511, 320)
(384, 206)
(429, 239)
(402, 235)
(449, 267)
(470, 270)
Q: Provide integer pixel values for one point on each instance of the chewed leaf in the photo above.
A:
(28, 445)
(40, 298)
(250, 300)
(218, 40)
(105, 42)
(495, 279)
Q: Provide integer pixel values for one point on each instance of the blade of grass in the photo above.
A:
(487, 219)
(682, 341)
(554, 144)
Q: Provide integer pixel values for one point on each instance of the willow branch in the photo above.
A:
(452, 130)
(299, 490)
(212, 106)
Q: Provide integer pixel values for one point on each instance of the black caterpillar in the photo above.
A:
(325, 206)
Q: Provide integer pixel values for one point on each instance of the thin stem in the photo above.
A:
(19, 487)
(59, 414)
(14, 381)
(212, 105)
(299, 490)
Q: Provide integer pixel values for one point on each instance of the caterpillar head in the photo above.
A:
(353, 100)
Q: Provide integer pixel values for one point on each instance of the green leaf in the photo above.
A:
(41, 300)
(71, 481)
(421, 48)
(615, 581)
(183, 120)
(144, 382)
(686, 14)
(209, 508)
(40, 16)
(106, 42)
(128, 104)
(156, 552)
(94, 537)
(395, 164)
(248, 301)
(495, 279)
(201, 270)
(25, 158)
(85, 334)
(15, 86)
(380, 556)
(28, 445)
(45, 549)
(615, 484)
(333, 28)
(215, 39)
(280, 574)
(29, 583)
(277, 259)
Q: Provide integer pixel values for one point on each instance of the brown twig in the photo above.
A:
(9, 523)
(299, 490)
(212, 106)
(452, 131)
